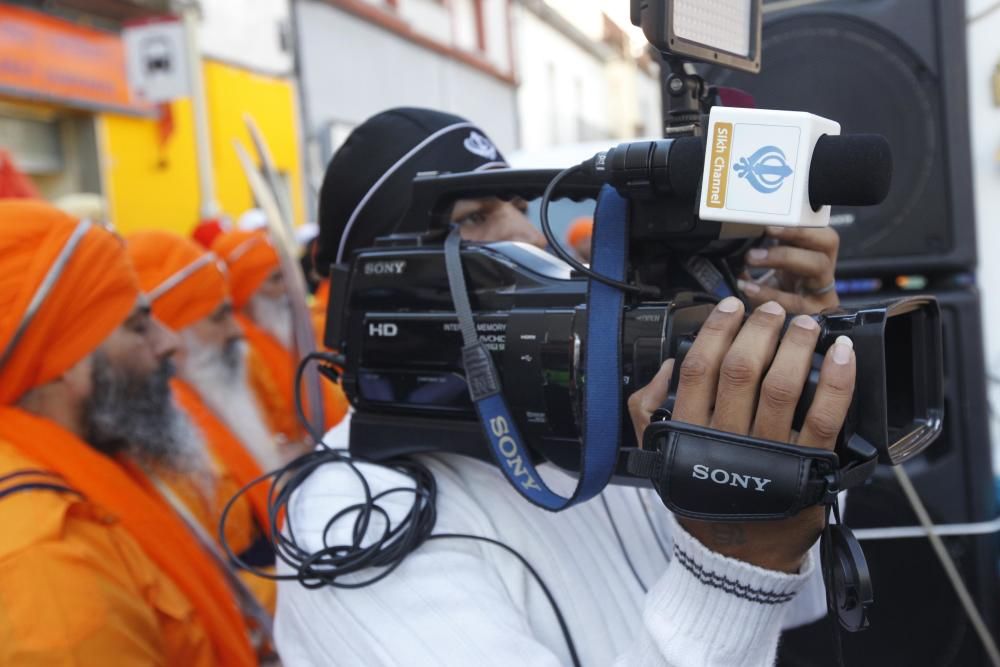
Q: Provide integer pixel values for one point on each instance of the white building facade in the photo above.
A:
(360, 57)
(582, 76)
(258, 40)
(984, 111)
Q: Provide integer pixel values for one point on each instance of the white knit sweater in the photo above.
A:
(468, 603)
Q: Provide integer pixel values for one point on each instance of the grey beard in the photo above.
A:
(219, 377)
(135, 416)
(275, 317)
(233, 354)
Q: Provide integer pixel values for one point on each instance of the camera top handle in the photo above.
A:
(434, 194)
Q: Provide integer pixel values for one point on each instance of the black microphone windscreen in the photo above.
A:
(850, 170)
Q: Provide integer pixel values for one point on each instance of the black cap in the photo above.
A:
(368, 183)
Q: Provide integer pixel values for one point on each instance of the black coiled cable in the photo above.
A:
(329, 565)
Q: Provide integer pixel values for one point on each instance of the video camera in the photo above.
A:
(472, 348)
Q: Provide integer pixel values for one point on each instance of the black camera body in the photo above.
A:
(407, 376)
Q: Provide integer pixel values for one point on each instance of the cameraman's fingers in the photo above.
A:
(809, 265)
(824, 239)
(644, 402)
(743, 367)
(782, 386)
(833, 397)
(699, 374)
(761, 294)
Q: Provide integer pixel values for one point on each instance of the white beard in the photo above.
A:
(222, 384)
(275, 317)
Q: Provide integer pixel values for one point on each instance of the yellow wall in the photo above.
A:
(148, 187)
(232, 92)
(153, 188)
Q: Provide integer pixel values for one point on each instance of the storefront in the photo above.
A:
(68, 120)
(56, 78)
(151, 166)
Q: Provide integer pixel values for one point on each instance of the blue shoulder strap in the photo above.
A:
(602, 366)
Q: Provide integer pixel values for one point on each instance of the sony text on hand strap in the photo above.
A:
(711, 475)
(603, 390)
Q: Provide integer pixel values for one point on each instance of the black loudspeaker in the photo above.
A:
(897, 68)
(917, 619)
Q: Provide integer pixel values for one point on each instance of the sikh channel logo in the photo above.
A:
(765, 171)
(722, 141)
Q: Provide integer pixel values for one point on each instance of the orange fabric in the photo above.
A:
(92, 297)
(206, 505)
(581, 230)
(318, 310)
(76, 588)
(153, 525)
(281, 421)
(250, 258)
(271, 372)
(230, 452)
(272, 375)
(159, 256)
(242, 529)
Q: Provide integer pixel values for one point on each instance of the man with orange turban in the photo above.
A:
(95, 568)
(187, 292)
(579, 237)
(264, 312)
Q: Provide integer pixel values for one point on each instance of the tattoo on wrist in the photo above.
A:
(728, 534)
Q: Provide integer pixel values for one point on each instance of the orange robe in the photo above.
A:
(271, 372)
(239, 464)
(235, 468)
(76, 587)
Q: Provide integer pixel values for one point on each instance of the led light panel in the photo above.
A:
(723, 25)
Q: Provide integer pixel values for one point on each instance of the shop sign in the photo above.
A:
(156, 60)
(47, 58)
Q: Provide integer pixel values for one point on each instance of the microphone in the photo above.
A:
(850, 170)
(756, 166)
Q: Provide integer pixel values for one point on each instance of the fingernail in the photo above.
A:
(805, 322)
(758, 254)
(729, 305)
(842, 349)
(748, 287)
(772, 308)
(775, 231)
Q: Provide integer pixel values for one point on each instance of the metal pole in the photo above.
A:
(190, 14)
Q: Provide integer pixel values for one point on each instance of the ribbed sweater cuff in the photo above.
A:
(727, 610)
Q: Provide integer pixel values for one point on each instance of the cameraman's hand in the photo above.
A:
(804, 261)
(738, 378)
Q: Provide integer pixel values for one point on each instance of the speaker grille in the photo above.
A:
(862, 76)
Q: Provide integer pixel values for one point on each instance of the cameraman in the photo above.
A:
(635, 584)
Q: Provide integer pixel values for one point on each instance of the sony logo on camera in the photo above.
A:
(726, 478)
(394, 268)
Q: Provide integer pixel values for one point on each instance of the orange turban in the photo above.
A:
(92, 295)
(183, 282)
(250, 258)
(581, 229)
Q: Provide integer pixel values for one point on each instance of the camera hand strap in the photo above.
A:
(603, 380)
